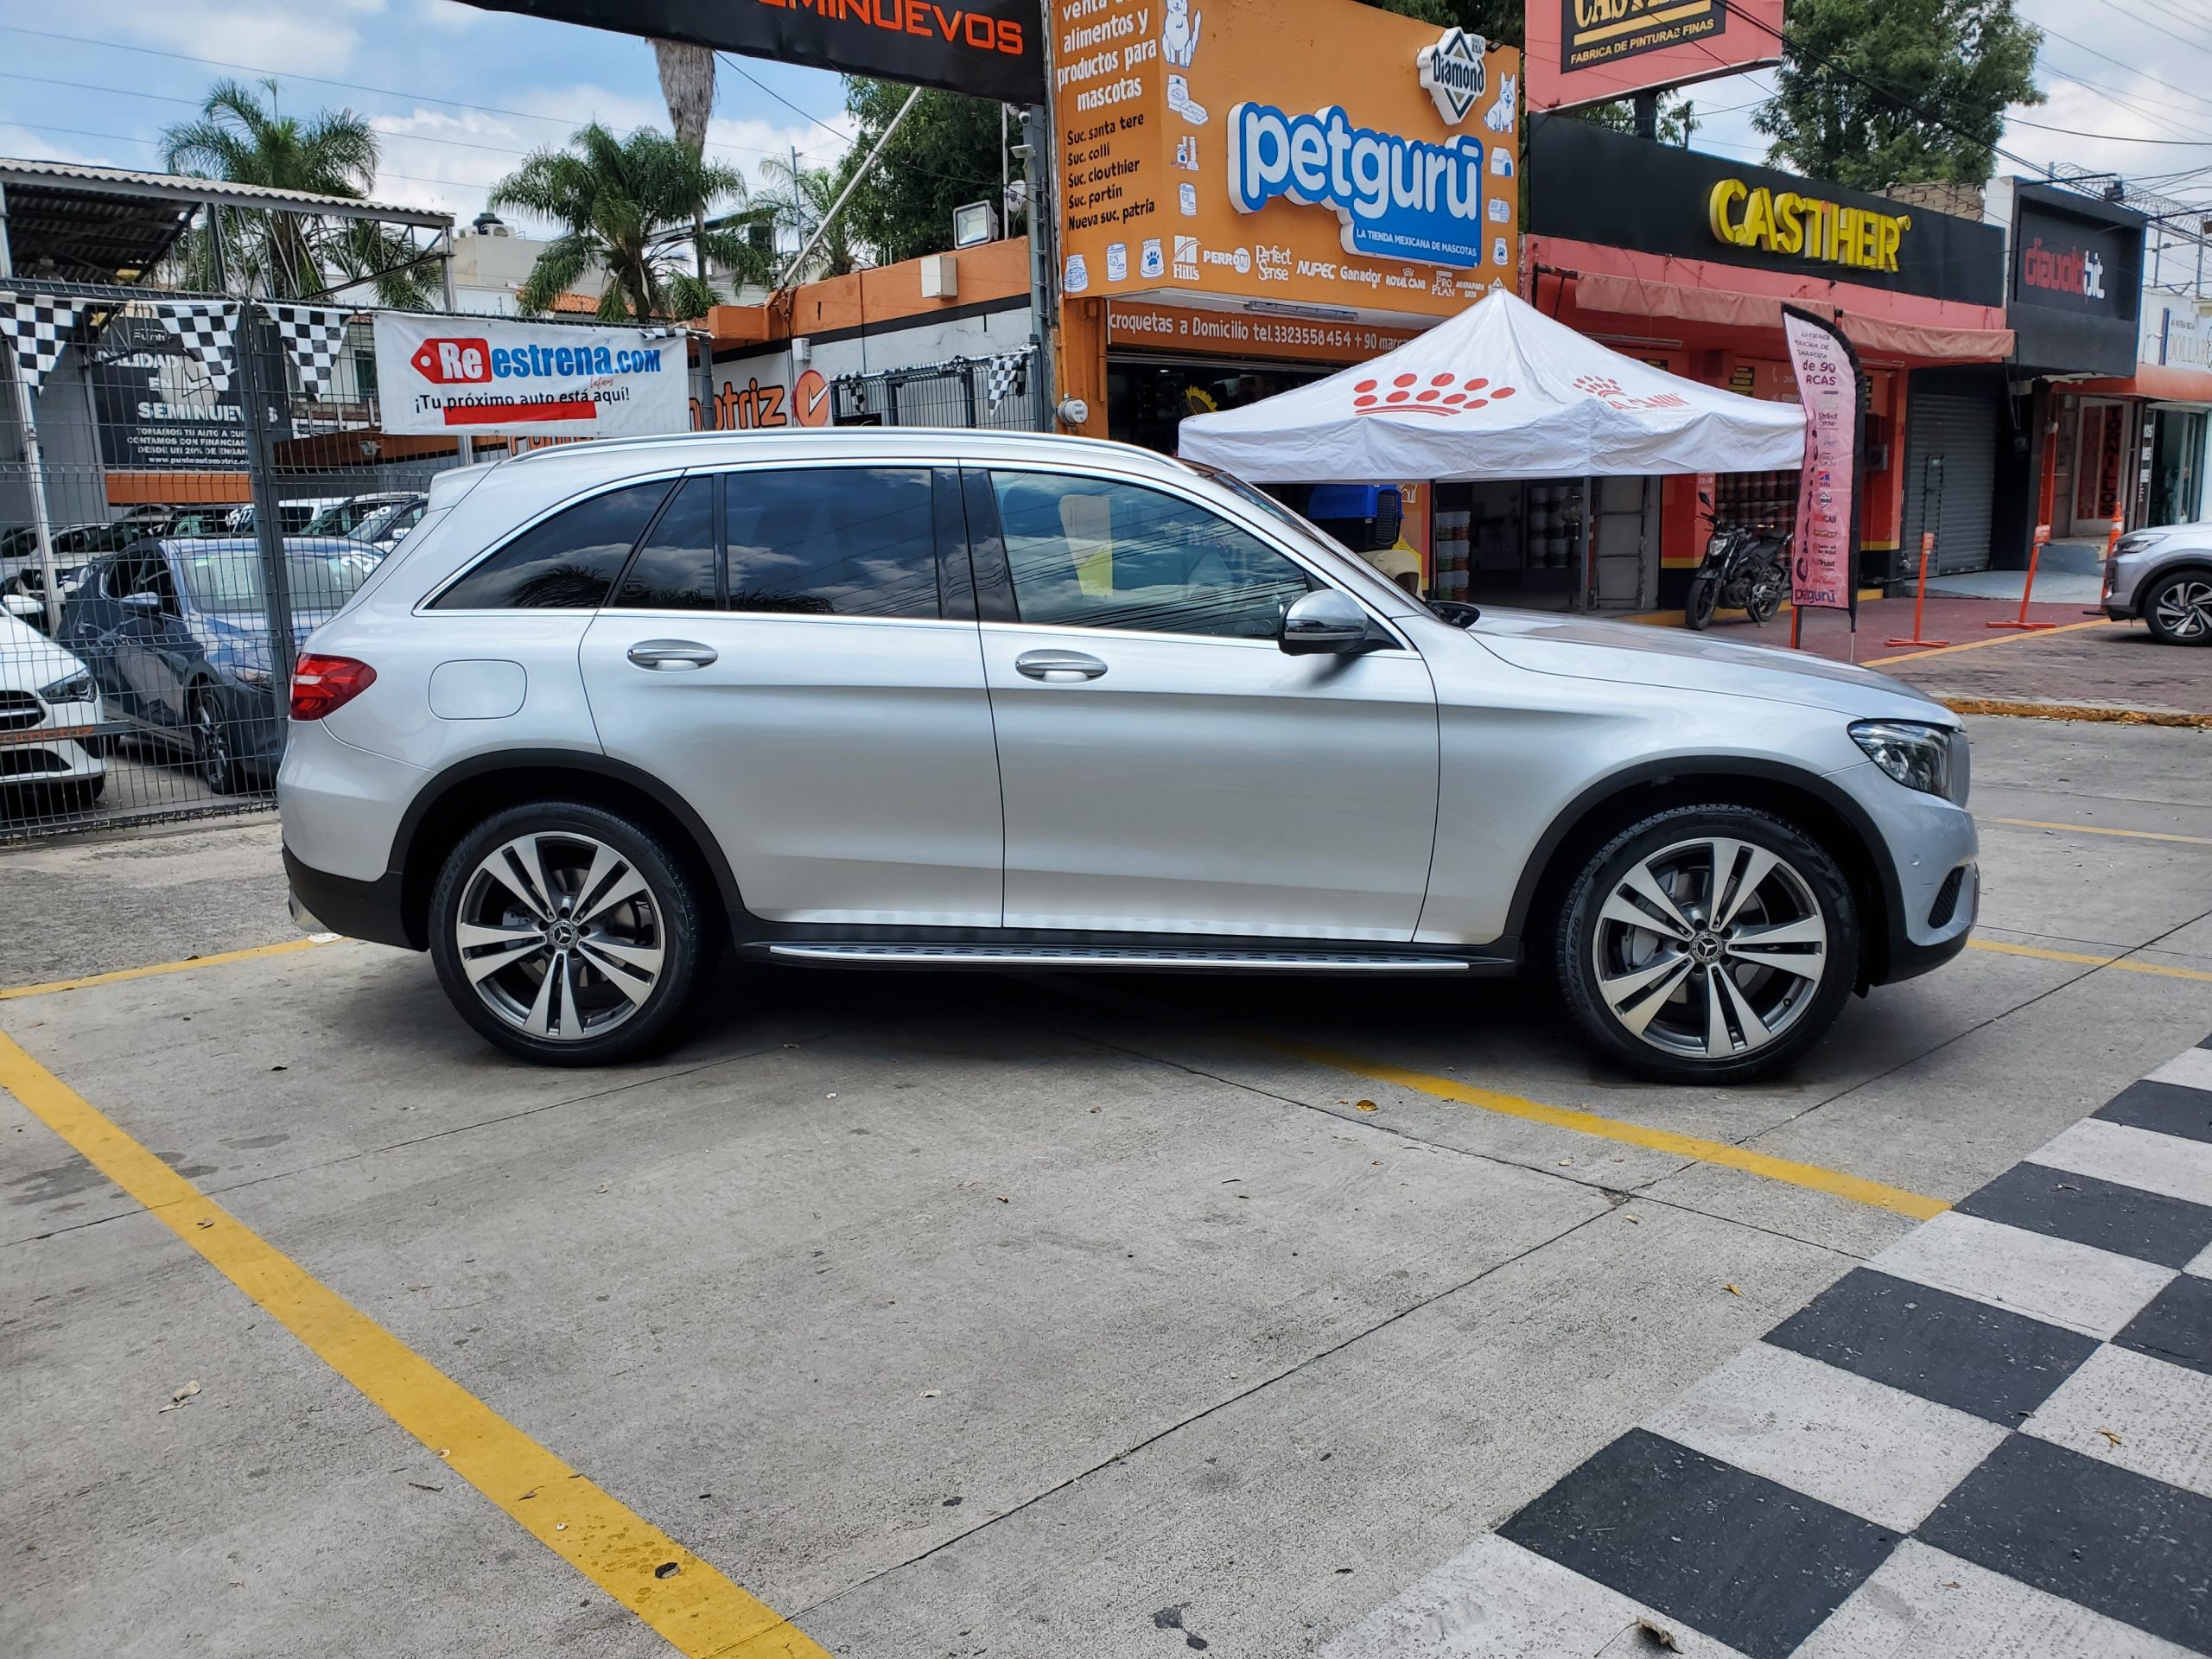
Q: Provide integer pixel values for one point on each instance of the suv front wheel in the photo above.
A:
(566, 934)
(1707, 944)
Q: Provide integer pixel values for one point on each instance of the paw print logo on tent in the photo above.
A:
(1442, 393)
(1602, 386)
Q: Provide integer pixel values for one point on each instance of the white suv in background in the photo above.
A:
(876, 698)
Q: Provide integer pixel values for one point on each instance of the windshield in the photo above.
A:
(389, 521)
(228, 581)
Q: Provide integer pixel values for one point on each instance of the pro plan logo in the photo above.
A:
(454, 362)
(1610, 392)
(1451, 73)
(1445, 393)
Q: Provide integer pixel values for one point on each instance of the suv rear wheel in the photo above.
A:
(566, 934)
(1707, 944)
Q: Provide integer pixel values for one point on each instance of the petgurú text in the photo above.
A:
(1398, 197)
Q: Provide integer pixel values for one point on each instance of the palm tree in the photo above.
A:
(687, 86)
(798, 199)
(279, 255)
(625, 204)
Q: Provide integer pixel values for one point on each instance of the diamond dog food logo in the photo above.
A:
(1451, 73)
(1443, 393)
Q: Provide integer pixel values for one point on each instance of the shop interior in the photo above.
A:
(1148, 397)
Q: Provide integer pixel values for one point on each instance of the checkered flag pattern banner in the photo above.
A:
(1008, 370)
(313, 335)
(37, 327)
(207, 329)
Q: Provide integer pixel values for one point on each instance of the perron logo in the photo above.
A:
(1593, 32)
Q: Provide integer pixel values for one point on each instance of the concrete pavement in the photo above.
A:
(955, 1315)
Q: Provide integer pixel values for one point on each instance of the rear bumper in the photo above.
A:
(323, 903)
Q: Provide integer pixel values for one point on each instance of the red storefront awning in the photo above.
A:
(2163, 382)
(1639, 296)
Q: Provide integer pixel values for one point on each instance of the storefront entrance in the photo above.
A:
(1148, 398)
(2098, 455)
(2175, 443)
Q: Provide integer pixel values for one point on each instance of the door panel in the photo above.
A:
(1213, 786)
(839, 748)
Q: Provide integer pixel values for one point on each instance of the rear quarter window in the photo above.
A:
(566, 563)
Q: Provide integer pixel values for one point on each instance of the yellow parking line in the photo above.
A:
(2099, 830)
(1917, 1205)
(699, 1611)
(2124, 965)
(213, 961)
(1984, 645)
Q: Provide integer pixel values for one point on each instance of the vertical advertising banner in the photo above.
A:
(552, 380)
(1824, 558)
(1330, 158)
(1583, 52)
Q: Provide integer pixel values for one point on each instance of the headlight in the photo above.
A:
(256, 678)
(2141, 542)
(1919, 757)
(72, 688)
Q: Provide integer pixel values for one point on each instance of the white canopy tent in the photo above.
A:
(1499, 392)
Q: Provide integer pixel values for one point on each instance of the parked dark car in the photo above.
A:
(177, 632)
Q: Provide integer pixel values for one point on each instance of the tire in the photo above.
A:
(1644, 1000)
(2178, 609)
(1765, 597)
(1702, 600)
(214, 754)
(572, 1000)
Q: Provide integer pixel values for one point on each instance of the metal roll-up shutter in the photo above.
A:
(1950, 460)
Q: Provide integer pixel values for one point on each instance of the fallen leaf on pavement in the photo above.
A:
(177, 1397)
(2109, 1435)
(1366, 1105)
(1657, 1635)
(1732, 1290)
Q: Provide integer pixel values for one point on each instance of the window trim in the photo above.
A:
(606, 487)
(994, 593)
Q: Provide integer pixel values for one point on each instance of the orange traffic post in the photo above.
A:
(1920, 593)
(2035, 553)
(2112, 546)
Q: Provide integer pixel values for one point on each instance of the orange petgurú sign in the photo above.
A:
(1316, 154)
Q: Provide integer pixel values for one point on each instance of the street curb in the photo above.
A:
(2104, 712)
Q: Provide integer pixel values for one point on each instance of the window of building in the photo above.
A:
(841, 541)
(567, 562)
(1089, 554)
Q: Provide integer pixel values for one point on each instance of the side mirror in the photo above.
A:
(1325, 623)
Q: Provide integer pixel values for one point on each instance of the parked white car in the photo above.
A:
(49, 720)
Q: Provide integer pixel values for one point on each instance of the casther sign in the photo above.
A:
(987, 48)
(2076, 286)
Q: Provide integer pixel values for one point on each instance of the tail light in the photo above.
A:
(321, 684)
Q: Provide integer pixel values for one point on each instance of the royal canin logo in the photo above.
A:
(1444, 393)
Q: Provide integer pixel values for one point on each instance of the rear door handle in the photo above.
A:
(676, 654)
(1058, 667)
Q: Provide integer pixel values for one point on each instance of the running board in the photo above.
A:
(829, 953)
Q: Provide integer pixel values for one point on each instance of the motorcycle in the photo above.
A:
(1746, 566)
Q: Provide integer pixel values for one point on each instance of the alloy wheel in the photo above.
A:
(1710, 948)
(561, 935)
(2184, 609)
(211, 741)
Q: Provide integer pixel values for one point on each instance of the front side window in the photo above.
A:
(1087, 553)
(832, 541)
(566, 563)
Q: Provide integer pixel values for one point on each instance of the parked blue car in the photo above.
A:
(177, 632)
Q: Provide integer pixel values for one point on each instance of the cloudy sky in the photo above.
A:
(460, 94)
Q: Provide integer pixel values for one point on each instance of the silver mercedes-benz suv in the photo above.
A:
(886, 698)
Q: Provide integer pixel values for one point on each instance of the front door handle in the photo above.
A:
(1058, 667)
(676, 654)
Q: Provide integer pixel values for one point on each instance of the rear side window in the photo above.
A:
(675, 570)
(832, 541)
(567, 562)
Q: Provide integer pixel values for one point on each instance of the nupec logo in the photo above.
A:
(1443, 393)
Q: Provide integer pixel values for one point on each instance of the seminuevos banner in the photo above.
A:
(986, 48)
(1824, 560)
(446, 374)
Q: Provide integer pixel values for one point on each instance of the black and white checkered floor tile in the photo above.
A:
(1995, 1438)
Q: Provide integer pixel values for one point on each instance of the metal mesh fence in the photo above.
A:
(998, 393)
(189, 486)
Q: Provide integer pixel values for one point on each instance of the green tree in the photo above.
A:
(1877, 93)
(687, 86)
(1499, 21)
(287, 256)
(797, 199)
(945, 153)
(625, 204)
